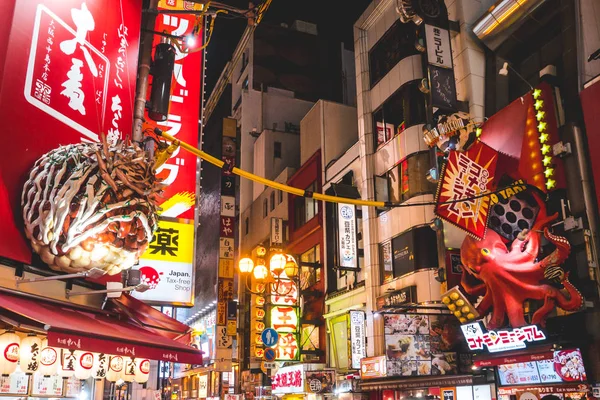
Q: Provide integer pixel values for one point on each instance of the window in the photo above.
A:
(246, 225)
(404, 108)
(277, 150)
(272, 199)
(396, 44)
(305, 208)
(265, 208)
(410, 251)
(405, 180)
(279, 197)
(309, 275)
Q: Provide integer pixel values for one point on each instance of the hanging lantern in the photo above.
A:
(29, 354)
(84, 364)
(128, 371)
(48, 359)
(67, 365)
(100, 368)
(9, 352)
(142, 370)
(115, 366)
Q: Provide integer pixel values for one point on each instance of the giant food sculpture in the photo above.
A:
(509, 276)
(91, 205)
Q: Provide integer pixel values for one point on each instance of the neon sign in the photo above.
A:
(497, 341)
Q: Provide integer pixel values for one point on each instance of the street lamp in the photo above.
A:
(273, 276)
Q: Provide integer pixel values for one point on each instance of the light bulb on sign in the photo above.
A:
(190, 40)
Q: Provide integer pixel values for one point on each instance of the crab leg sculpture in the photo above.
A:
(512, 276)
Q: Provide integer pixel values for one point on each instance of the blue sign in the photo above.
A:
(269, 337)
(269, 354)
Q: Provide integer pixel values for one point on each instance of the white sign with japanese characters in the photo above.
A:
(348, 254)
(358, 337)
(203, 386)
(496, 341)
(438, 46)
(276, 231)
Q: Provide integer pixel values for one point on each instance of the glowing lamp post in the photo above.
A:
(282, 267)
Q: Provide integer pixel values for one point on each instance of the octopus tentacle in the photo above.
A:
(575, 300)
(474, 290)
(560, 254)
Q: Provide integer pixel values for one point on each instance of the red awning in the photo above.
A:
(103, 332)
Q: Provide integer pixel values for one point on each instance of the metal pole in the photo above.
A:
(588, 199)
(143, 73)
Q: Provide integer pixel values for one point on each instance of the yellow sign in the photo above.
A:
(173, 241)
(232, 327)
(226, 267)
(179, 5)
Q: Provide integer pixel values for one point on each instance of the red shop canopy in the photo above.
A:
(69, 326)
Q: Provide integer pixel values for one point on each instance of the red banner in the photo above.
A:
(466, 176)
(179, 172)
(69, 74)
(590, 102)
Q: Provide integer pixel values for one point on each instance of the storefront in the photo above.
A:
(63, 350)
(303, 381)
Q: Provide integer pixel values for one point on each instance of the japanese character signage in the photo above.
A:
(373, 367)
(276, 231)
(69, 74)
(288, 380)
(167, 265)
(438, 46)
(405, 295)
(466, 177)
(501, 340)
(179, 172)
(347, 250)
(285, 320)
(358, 335)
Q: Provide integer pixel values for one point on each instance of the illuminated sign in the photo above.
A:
(287, 347)
(284, 292)
(347, 251)
(284, 319)
(357, 337)
(496, 341)
(288, 380)
(373, 367)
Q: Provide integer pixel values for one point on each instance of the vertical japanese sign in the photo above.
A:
(358, 337)
(440, 68)
(438, 46)
(167, 266)
(284, 314)
(277, 232)
(466, 177)
(348, 253)
(179, 172)
(225, 289)
(69, 75)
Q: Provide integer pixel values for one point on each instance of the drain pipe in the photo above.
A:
(144, 71)
(588, 199)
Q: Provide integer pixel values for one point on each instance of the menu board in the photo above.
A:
(16, 383)
(47, 386)
(419, 345)
(565, 366)
(73, 387)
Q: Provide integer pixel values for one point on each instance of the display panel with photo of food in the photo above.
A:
(419, 344)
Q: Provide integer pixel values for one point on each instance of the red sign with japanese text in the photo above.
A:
(179, 172)
(69, 74)
(466, 177)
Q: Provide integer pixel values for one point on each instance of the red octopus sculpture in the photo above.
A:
(511, 276)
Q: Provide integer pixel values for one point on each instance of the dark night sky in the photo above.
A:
(334, 19)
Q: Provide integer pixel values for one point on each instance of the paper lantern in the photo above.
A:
(128, 371)
(142, 370)
(29, 354)
(48, 359)
(100, 368)
(115, 366)
(84, 364)
(66, 368)
(9, 352)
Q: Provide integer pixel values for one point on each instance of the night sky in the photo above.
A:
(334, 19)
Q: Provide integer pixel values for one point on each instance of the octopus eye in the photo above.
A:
(485, 252)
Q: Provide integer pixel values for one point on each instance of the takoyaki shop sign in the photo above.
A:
(504, 340)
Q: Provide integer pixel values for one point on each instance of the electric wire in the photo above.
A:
(308, 194)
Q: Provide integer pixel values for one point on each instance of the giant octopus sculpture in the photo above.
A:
(511, 276)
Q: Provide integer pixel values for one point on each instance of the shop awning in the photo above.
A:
(69, 326)
(421, 382)
(513, 357)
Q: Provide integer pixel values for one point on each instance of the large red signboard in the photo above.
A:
(69, 75)
(179, 172)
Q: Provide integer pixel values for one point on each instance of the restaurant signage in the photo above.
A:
(548, 355)
(203, 386)
(319, 381)
(546, 389)
(400, 297)
(276, 231)
(501, 340)
(16, 383)
(373, 367)
(75, 79)
(167, 266)
(347, 249)
(358, 337)
(438, 46)
(288, 380)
